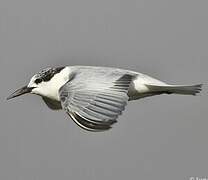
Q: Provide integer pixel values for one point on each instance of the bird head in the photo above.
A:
(45, 83)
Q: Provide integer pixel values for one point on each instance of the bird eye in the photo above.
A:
(37, 81)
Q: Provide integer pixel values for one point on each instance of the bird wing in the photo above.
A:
(94, 99)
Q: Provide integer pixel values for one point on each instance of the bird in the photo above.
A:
(95, 96)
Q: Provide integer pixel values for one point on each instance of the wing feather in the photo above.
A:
(95, 101)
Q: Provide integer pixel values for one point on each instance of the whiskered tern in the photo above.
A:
(94, 97)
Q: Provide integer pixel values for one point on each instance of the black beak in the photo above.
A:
(20, 92)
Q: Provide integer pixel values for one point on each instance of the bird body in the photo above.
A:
(94, 97)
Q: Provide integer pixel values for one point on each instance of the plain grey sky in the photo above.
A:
(163, 137)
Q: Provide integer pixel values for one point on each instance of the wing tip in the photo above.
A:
(90, 126)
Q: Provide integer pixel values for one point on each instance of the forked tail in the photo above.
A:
(176, 89)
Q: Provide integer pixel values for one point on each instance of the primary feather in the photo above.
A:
(95, 101)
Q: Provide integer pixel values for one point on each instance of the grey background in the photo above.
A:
(163, 137)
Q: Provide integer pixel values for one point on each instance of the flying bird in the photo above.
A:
(94, 97)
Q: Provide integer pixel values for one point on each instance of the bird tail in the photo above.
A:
(176, 89)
